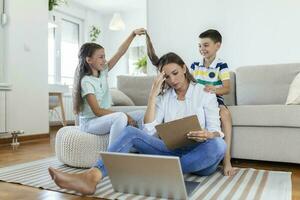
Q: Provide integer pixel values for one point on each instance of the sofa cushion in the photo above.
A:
(266, 115)
(294, 92)
(137, 88)
(119, 98)
(264, 84)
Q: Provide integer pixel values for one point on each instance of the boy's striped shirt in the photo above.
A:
(213, 75)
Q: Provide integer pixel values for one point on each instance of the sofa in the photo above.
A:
(264, 128)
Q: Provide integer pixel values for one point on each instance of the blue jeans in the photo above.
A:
(201, 158)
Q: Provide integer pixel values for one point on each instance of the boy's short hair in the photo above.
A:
(214, 35)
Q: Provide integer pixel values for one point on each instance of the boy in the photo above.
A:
(214, 74)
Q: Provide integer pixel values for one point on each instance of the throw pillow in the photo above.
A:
(119, 98)
(294, 92)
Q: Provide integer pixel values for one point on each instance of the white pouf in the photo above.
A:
(77, 148)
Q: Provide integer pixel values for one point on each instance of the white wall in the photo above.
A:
(113, 39)
(26, 63)
(254, 32)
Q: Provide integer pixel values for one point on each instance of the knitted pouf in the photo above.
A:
(77, 148)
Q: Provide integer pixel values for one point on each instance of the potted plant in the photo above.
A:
(94, 33)
(53, 3)
(141, 64)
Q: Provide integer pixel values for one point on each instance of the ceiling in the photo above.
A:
(109, 6)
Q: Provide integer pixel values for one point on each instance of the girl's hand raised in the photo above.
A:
(157, 84)
(140, 31)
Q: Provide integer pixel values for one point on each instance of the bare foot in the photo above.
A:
(84, 183)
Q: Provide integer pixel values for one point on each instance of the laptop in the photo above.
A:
(174, 133)
(148, 175)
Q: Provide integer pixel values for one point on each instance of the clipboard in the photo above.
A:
(174, 133)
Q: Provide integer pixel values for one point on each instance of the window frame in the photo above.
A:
(58, 17)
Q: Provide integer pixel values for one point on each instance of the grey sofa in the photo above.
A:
(137, 88)
(264, 128)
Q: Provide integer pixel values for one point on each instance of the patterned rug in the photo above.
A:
(246, 184)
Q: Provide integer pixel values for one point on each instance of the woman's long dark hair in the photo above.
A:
(83, 68)
(173, 58)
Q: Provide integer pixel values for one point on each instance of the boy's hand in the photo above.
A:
(228, 170)
(210, 89)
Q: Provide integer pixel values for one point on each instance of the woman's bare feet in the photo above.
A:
(84, 183)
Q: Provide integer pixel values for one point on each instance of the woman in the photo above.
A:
(228, 170)
(91, 96)
(174, 95)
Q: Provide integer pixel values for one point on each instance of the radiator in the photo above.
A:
(2, 112)
(54, 118)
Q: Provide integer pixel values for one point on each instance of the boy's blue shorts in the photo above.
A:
(220, 100)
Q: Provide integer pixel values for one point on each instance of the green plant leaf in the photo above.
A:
(141, 62)
(94, 33)
(53, 3)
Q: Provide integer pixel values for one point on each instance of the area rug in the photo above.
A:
(246, 184)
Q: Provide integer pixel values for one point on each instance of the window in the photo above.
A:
(1, 47)
(137, 60)
(51, 57)
(63, 45)
(2, 78)
(69, 50)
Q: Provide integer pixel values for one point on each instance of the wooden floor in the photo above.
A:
(43, 148)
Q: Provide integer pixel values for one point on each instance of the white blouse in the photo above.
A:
(197, 102)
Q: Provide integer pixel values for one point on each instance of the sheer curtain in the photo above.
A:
(63, 46)
(2, 76)
(69, 51)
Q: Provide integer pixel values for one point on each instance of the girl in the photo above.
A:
(91, 96)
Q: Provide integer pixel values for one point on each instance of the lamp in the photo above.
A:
(116, 23)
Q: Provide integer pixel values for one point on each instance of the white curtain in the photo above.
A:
(2, 47)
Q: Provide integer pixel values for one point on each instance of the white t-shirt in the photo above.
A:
(97, 86)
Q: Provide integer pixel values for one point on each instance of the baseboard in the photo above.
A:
(58, 123)
(23, 138)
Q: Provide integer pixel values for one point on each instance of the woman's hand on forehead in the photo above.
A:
(157, 83)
